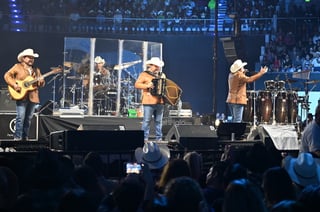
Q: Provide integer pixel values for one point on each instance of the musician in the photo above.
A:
(100, 70)
(101, 74)
(152, 104)
(310, 141)
(237, 81)
(24, 107)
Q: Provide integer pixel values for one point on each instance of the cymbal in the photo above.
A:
(291, 81)
(126, 65)
(77, 78)
(312, 82)
(68, 64)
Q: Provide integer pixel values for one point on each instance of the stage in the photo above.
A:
(185, 132)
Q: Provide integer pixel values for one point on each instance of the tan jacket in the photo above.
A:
(237, 87)
(141, 83)
(18, 72)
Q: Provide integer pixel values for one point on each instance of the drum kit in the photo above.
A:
(105, 92)
(275, 104)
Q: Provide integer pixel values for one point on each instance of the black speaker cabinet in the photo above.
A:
(193, 137)
(8, 126)
(7, 104)
(96, 140)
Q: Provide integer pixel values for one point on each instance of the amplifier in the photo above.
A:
(8, 126)
(7, 104)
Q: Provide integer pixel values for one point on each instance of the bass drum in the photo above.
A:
(292, 107)
(264, 107)
(248, 112)
(281, 107)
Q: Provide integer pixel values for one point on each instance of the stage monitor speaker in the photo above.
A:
(100, 127)
(8, 126)
(193, 137)
(225, 130)
(7, 104)
(96, 140)
(47, 108)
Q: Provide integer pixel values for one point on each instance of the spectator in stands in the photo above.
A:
(94, 160)
(9, 189)
(214, 188)
(185, 194)
(287, 205)
(277, 186)
(316, 62)
(156, 156)
(173, 169)
(316, 132)
(307, 63)
(308, 144)
(303, 170)
(242, 195)
(195, 163)
(310, 197)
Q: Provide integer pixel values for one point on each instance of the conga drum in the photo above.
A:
(270, 85)
(248, 112)
(281, 85)
(281, 107)
(292, 107)
(264, 107)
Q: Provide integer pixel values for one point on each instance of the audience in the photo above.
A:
(277, 186)
(303, 170)
(242, 195)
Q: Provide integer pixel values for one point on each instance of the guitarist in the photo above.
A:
(25, 107)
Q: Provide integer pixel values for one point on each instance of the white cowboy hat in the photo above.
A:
(152, 154)
(237, 65)
(99, 59)
(155, 61)
(303, 170)
(26, 52)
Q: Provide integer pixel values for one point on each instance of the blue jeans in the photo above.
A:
(157, 112)
(25, 110)
(236, 112)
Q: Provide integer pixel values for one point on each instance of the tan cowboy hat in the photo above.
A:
(155, 61)
(152, 154)
(27, 52)
(99, 59)
(303, 170)
(237, 65)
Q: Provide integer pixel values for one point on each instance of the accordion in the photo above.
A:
(167, 89)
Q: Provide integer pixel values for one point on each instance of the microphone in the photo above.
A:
(245, 70)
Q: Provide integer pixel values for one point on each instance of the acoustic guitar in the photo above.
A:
(28, 84)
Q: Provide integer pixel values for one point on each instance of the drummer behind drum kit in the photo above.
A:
(274, 105)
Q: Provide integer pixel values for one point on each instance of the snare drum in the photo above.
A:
(248, 111)
(270, 85)
(292, 107)
(97, 79)
(281, 107)
(264, 109)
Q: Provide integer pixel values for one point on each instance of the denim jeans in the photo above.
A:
(157, 112)
(236, 112)
(25, 110)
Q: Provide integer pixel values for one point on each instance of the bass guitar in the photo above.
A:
(28, 84)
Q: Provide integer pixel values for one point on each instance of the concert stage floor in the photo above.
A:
(188, 133)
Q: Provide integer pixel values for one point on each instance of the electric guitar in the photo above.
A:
(28, 84)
